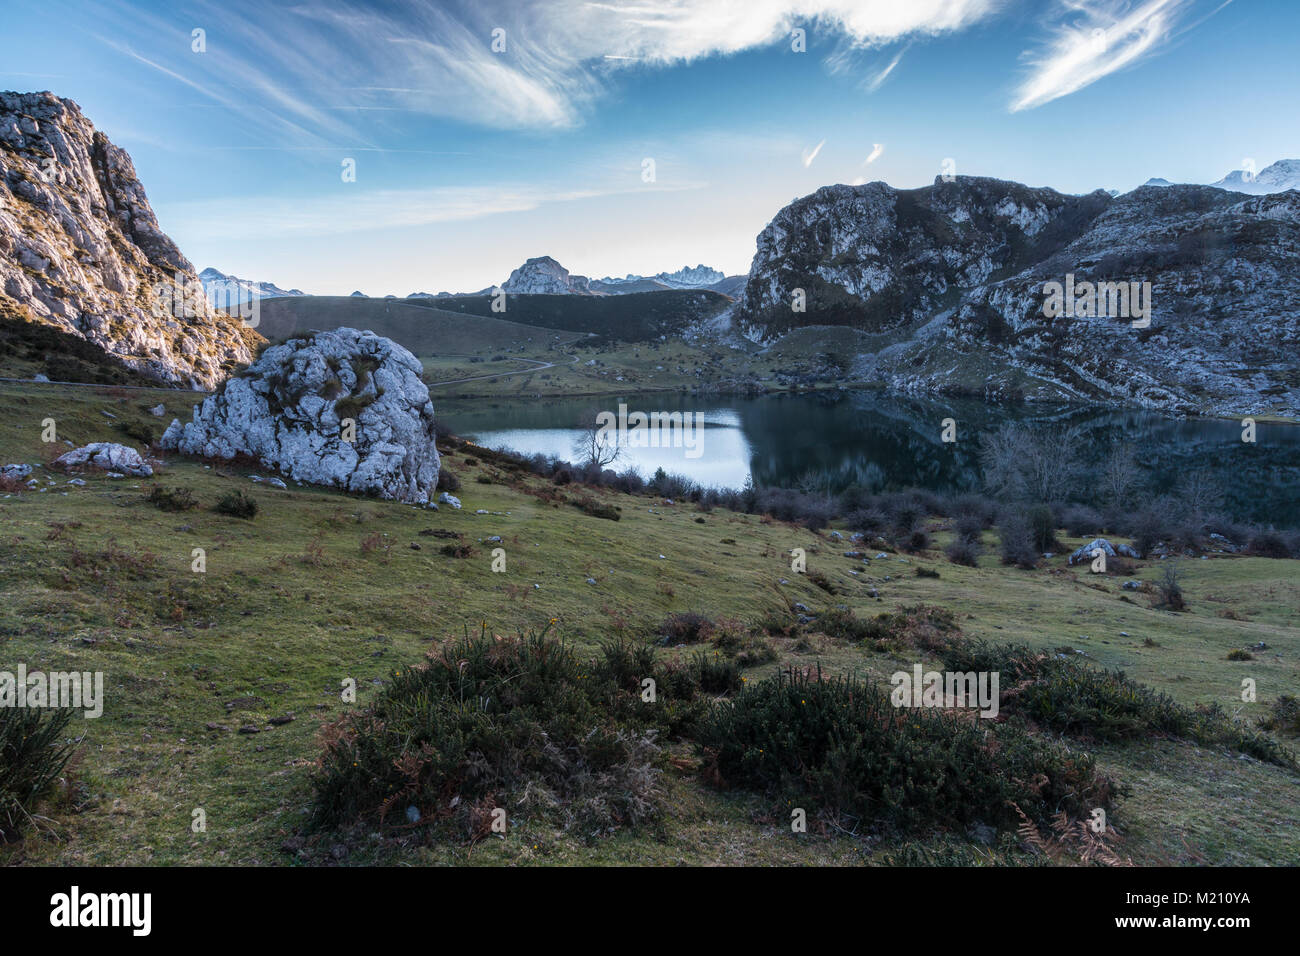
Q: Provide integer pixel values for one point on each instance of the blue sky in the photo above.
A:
(469, 160)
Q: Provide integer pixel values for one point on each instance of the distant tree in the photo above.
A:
(1200, 493)
(1119, 475)
(1038, 464)
(593, 445)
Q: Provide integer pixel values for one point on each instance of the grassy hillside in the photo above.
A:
(424, 330)
(633, 317)
(320, 587)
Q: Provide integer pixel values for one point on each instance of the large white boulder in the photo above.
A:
(107, 456)
(292, 407)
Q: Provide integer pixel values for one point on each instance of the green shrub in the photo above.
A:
(842, 624)
(590, 506)
(175, 499)
(487, 722)
(1042, 528)
(717, 674)
(1238, 654)
(686, 627)
(1017, 542)
(1072, 697)
(839, 747)
(237, 505)
(1284, 715)
(822, 581)
(964, 551)
(33, 752)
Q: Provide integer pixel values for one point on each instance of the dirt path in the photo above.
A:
(537, 367)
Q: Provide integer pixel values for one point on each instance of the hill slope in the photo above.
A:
(422, 326)
(632, 317)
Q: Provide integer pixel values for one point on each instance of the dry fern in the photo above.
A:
(1067, 841)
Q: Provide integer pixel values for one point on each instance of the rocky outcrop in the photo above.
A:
(1089, 551)
(107, 456)
(342, 408)
(544, 276)
(951, 282)
(81, 250)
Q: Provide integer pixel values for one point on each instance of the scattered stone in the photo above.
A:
(158, 411)
(77, 481)
(107, 456)
(40, 377)
(591, 580)
(1085, 553)
(276, 483)
(15, 472)
(447, 499)
(1131, 585)
(415, 547)
(281, 721)
(494, 539)
(249, 729)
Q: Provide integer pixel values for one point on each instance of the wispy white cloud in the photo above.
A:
(876, 150)
(875, 82)
(1093, 39)
(559, 56)
(810, 154)
(346, 210)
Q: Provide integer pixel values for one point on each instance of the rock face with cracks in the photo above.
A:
(342, 408)
(81, 250)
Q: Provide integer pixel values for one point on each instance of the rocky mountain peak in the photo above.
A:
(544, 276)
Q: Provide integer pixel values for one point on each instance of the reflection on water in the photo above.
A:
(839, 439)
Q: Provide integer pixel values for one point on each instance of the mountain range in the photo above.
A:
(1277, 178)
(943, 289)
(223, 290)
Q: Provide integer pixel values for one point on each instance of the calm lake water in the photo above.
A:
(888, 441)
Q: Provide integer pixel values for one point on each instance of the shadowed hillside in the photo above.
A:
(425, 330)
